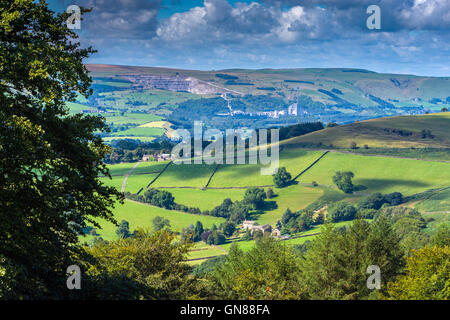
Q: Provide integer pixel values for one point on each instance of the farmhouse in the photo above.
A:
(146, 157)
(276, 233)
(265, 228)
(248, 224)
(163, 157)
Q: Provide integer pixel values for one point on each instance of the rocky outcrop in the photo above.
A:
(175, 83)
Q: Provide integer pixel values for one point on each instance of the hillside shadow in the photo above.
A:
(270, 205)
(359, 187)
(389, 183)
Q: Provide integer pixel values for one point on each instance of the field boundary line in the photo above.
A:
(220, 248)
(203, 258)
(224, 250)
(159, 174)
(310, 166)
(124, 182)
(212, 175)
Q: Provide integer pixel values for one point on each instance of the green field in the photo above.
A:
(250, 174)
(140, 132)
(439, 218)
(437, 202)
(141, 216)
(380, 174)
(185, 175)
(372, 133)
(140, 118)
(294, 197)
(143, 139)
(205, 199)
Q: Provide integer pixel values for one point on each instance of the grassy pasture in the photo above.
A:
(77, 108)
(141, 216)
(294, 197)
(130, 117)
(372, 133)
(205, 199)
(439, 218)
(141, 132)
(120, 169)
(380, 174)
(115, 182)
(143, 139)
(185, 175)
(136, 182)
(295, 160)
(437, 202)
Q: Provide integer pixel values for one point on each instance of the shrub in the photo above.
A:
(343, 181)
(342, 211)
(281, 178)
(255, 196)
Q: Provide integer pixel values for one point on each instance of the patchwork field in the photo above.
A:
(246, 175)
(380, 174)
(205, 199)
(141, 216)
(373, 133)
(185, 175)
(372, 174)
(294, 197)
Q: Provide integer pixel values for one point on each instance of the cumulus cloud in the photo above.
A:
(414, 34)
(121, 18)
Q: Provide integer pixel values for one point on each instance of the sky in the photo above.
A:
(221, 34)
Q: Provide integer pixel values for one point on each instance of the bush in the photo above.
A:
(255, 196)
(216, 238)
(159, 198)
(367, 213)
(281, 178)
(123, 231)
(229, 228)
(270, 194)
(343, 181)
(342, 211)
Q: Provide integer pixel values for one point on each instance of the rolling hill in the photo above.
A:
(127, 95)
(393, 132)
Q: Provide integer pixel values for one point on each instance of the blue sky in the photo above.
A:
(219, 34)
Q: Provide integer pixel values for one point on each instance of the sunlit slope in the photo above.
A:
(379, 174)
(380, 133)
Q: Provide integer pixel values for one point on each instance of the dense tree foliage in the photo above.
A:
(123, 231)
(153, 261)
(255, 197)
(281, 178)
(343, 180)
(268, 271)
(292, 222)
(335, 264)
(341, 211)
(426, 277)
(160, 223)
(49, 160)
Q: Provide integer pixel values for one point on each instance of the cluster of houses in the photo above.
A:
(267, 228)
(157, 157)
